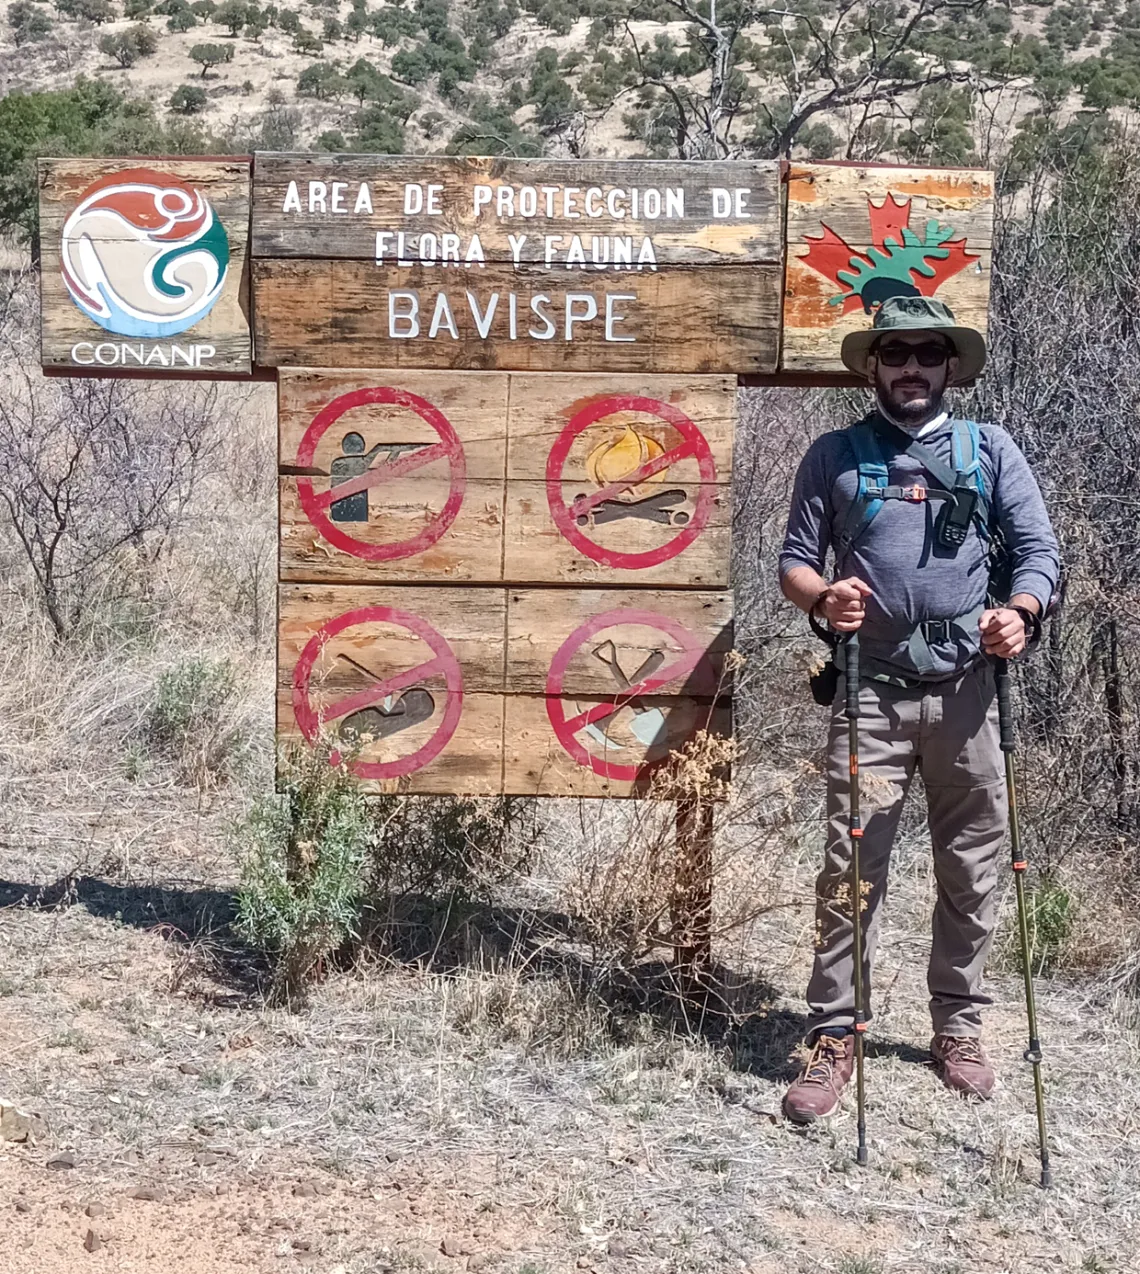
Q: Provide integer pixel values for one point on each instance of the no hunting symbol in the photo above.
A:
(656, 473)
(360, 468)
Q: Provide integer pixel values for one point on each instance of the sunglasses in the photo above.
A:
(929, 354)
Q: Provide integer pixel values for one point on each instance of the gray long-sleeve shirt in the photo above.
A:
(911, 577)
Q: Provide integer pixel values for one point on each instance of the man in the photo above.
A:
(911, 515)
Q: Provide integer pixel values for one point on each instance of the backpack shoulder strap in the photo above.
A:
(967, 458)
(873, 478)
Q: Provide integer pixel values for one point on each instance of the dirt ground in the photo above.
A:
(493, 1119)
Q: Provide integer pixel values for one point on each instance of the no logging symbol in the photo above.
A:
(693, 444)
(310, 717)
(316, 504)
(567, 728)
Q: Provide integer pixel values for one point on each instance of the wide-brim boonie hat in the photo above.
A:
(917, 314)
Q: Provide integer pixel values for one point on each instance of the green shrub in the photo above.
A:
(28, 22)
(188, 99)
(181, 20)
(191, 719)
(300, 856)
(1051, 912)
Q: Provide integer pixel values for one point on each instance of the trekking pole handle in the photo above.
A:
(1005, 707)
(851, 674)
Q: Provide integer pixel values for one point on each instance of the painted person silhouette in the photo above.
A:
(352, 464)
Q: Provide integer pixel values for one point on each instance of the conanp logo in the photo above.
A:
(144, 254)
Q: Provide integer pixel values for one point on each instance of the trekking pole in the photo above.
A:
(1033, 1052)
(851, 680)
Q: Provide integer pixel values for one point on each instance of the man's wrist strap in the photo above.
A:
(1032, 623)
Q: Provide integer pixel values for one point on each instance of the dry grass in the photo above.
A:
(528, 1095)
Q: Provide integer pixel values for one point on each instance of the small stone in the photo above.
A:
(452, 1246)
(207, 1158)
(189, 1068)
(305, 1190)
(65, 1159)
(22, 1206)
(92, 1242)
(96, 1209)
(302, 1245)
(20, 1125)
(148, 1194)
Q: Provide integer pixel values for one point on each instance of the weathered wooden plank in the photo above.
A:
(469, 764)
(631, 549)
(598, 642)
(537, 762)
(676, 319)
(572, 437)
(143, 264)
(417, 670)
(514, 210)
(434, 448)
(847, 250)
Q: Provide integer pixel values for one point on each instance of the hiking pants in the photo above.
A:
(948, 731)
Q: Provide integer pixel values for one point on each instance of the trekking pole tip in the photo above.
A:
(861, 1156)
(1046, 1178)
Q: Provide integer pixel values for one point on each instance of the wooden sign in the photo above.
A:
(364, 261)
(858, 235)
(539, 692)
(143, 266)
(392, 476)
(620, 480)
(488, 477)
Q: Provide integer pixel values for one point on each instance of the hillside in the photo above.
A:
(928, 80)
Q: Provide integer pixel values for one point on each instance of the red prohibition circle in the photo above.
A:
(449, 447)
(566, 729)
(310, 719)
(695, 444)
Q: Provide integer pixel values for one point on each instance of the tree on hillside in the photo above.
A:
(181, 20)
(28, 22)
(94, 11)
(307, 43)
(126, 47)
(825, 56)
(378, 132)
(188, 99)
(210, 55)
(392, 24)
(233, 15)
(321, 80)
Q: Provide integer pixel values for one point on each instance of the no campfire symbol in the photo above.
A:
(634, 467)
(899, 262)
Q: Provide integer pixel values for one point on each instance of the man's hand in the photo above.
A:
(842, 605)
(1003, 632)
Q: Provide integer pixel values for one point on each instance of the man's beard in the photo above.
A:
(912, 411)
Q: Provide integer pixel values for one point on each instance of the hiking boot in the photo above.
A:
(964, 1065)
(815, 1093)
